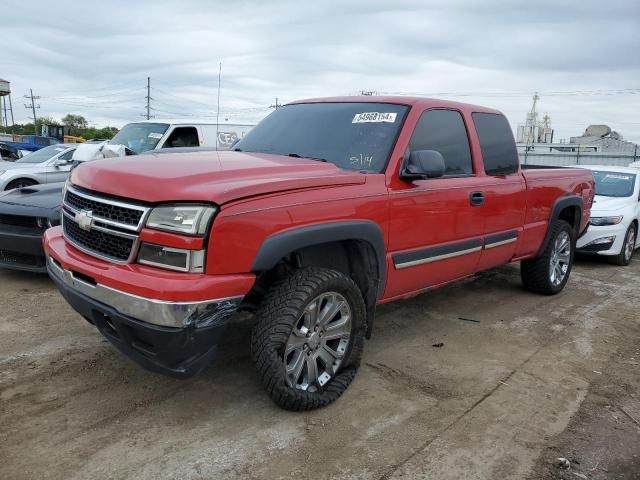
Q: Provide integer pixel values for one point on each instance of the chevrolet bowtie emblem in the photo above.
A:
(84, 219)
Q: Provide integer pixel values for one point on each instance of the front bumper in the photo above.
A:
(21, 249)
(585, 244)
(175, 330)
(177, 352)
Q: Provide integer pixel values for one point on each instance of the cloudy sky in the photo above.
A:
(93, 58)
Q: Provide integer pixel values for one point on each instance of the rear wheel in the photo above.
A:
(549, 272)
(309, 338)
(20, 183)
(626, 252)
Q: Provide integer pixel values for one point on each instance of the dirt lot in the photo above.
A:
(523, 380)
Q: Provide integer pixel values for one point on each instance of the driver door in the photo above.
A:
(60, 173)
(435, 227)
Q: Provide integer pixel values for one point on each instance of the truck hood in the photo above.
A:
(217, 177)
(47, 196)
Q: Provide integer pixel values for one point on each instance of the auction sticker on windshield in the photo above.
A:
(374, 117)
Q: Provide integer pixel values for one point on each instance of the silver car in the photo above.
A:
(47, 165)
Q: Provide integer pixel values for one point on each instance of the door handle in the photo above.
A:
(476, 199)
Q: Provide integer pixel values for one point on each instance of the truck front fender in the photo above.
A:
(279, 245)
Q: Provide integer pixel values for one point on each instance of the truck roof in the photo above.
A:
(401, 100)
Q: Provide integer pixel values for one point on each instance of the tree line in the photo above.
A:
(75, 125)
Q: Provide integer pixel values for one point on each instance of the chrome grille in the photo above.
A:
(102, 227)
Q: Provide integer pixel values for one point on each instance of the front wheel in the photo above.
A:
(626, 252)
(549, 272)
(309, 337)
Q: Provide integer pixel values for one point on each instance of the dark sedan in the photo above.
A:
(25, 213)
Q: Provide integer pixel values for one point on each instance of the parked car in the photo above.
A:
(25, 213)
(9, 153)
(325, 209)
(615, 215)
(47, 165)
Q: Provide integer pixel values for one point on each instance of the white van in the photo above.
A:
(147, 135)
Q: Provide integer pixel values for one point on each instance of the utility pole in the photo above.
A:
(276, 105)
(148, 97)
(33, 108)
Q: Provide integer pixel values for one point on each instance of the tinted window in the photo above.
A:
(444, 131)
(355, 136)
(614, 184)
(182, 137)
(496, 141)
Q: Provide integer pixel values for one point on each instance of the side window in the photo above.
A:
(444, 131)
(496, 141)
(182, 137)
(66, 155)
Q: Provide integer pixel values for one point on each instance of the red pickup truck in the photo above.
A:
(326, 209)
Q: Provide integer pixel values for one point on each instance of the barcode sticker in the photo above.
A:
(374, 117)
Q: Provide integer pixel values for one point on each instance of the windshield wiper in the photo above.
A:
(297, 155)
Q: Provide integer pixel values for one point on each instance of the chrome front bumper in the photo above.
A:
(157, 312)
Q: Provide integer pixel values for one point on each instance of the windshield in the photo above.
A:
(43, 154)
(354, 136)
(140, 137)
(614, 184)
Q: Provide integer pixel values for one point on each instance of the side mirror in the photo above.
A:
(61, 163)
(423, 164)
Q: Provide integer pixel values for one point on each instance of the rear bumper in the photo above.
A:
(21, 249)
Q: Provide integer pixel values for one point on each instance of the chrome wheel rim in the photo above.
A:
(631, 243)
(318, 342)
(560, 258)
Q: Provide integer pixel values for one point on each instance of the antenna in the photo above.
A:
(218, 112)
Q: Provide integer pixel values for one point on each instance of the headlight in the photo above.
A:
(602, 221)
(172, 258)
(186, 218)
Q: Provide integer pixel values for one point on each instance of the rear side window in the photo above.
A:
(444, 131)
(496, 141)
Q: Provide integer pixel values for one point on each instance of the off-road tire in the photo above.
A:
(621, 259)
(277, 315)
(20, 183)
(535, 273)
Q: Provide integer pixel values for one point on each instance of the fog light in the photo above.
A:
(172, 258)
(602, 240)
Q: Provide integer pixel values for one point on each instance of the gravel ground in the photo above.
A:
(525, 379)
